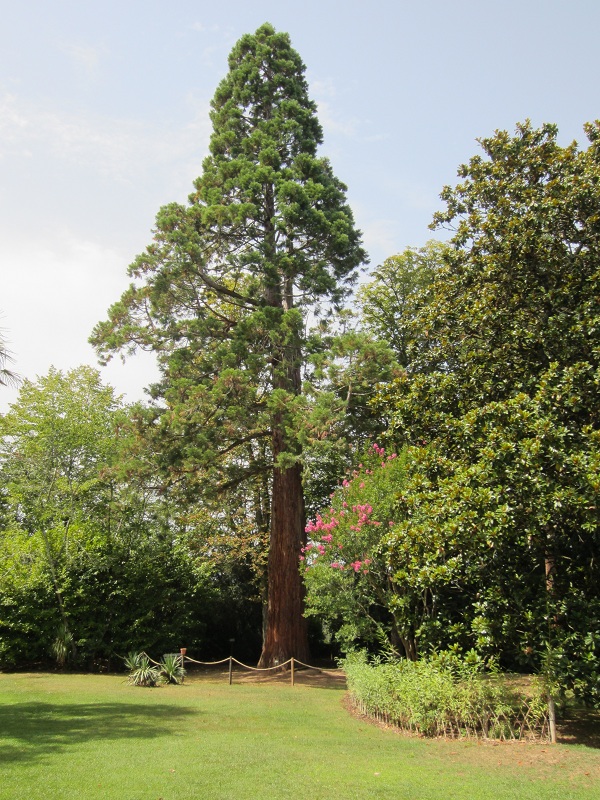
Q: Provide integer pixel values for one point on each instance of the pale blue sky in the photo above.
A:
(104, 117)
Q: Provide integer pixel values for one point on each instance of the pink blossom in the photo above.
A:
(327, 538)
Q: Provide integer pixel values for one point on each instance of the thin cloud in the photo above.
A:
(380, 238)
(85, 57)
(117, 148)
(200, 27)
(333, 122)
(76, 280)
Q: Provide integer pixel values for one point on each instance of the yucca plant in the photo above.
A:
(62, 644)
(141, 671)
(172, 669)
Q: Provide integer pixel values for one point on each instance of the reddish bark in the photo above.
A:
(286, 633)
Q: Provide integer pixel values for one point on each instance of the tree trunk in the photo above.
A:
(286, 633)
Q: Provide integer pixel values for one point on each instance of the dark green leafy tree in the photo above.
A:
(223, 294)
(501, 407)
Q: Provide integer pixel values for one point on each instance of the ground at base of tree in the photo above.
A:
(93, 736)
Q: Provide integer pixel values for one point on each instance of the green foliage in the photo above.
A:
(499, 520)
(447, 696)
(391, 300)
(171, 668)
(85, 549)
(142, 672)
(344, 371)
(345, 572)
(222, 296)
(7, 376)
(62, 645)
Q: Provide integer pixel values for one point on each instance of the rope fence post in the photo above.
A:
(552, 719)
(292, 671)
(231, 641)
(182, 651)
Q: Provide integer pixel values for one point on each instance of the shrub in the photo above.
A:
(446, 696)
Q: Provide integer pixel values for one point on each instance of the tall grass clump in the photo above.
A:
(446, 696)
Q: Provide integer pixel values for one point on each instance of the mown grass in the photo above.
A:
(85, 736)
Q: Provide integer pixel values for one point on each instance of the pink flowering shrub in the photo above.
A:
(344, 567)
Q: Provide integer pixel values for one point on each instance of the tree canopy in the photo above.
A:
(500, 407)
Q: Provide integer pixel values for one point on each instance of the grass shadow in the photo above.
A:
(580, 726)
(30, 731)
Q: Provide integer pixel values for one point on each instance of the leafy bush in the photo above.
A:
(446, 696)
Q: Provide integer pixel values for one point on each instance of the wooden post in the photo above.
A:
(552, 719)
(231, 641)
(182, 651)
(292, 671)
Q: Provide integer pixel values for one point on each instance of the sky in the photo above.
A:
(104, 118)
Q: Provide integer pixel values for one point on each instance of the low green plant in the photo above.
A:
(171, 668)
(446, 695)
(141, 671)
(62, 645)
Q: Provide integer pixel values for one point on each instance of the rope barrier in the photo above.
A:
(319, 669)
(206, 663)
(262, 669)
(231, 660)
(158, 664)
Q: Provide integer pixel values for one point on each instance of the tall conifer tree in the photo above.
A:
(222, 296)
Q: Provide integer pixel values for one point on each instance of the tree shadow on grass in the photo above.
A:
(580, 726)
(30, 731)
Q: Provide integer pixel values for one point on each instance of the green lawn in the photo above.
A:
(88, 736)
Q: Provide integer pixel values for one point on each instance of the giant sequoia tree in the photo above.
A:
(222, 296)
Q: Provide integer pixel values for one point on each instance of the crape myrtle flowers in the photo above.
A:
(344, 536)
